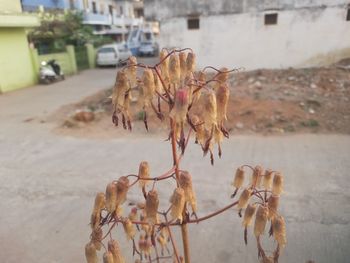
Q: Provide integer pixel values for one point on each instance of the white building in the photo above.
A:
(256, 33)
(114, 16)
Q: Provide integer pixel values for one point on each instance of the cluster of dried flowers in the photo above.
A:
(193, 103)
(260, 198)
(190, 97)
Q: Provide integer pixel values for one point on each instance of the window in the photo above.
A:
(106, 50)
(348, 15)
(94, 10)
(110, 9)
(139, 12)
(193, 23)
(271, 19)
(102, 9)
(71, 4)
(121, 10)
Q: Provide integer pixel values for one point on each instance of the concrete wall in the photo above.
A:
(16, 69)
(302, 37)
(164, 9)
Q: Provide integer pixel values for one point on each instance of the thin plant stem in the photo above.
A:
(172, 239)
(184, 230)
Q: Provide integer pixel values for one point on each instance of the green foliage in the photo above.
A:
(58, 29)
(311, 123)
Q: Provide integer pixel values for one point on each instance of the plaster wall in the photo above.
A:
(165, 9)
(301, 38)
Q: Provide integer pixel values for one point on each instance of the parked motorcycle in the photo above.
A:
(50, 72)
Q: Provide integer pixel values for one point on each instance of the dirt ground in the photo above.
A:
(312, 100)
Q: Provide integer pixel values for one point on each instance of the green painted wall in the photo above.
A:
(10, 6)
(65, 59)
(16, 68)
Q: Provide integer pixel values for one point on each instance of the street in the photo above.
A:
(48, 183)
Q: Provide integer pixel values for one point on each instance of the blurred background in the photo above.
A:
(289, 111)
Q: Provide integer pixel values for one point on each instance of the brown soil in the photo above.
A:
(313, 100)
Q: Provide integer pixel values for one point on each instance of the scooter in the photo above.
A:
(50, 72)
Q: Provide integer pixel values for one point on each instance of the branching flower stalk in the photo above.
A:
(195, 103)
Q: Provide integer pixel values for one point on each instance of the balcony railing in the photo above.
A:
(126, 21)
(97, 19)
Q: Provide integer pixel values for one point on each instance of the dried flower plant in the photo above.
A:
(195, 102)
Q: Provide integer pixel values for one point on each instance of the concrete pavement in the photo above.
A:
(48, 183)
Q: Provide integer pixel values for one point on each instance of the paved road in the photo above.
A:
(48, 182)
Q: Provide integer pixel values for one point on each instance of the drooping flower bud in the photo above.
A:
(111, 197)
(177, 201)
(164, 66)
(147, 247)
(90, 253)
(133, 214)
(107, 257)
(260, 220)
(272, 204)
(179, 111)
(210, 110)
(279, 230)
(120, 88)
(200, 131)
(222, 96)
(257, 176)
(183, 65)
(218, 137)
(131, 71)
(144, 173)
(162, 241)
(202, 77)
(148, 85)
(277, 184)
(244, 199)
(119, 211)
(174, 69)
(248, 215)
(191, 62)
(239, 178)
(185, 181)
(151, 209)
(163, 237)
(122, 190)
(113, 247)
(96, 237)
(145, 227)
(99, 202)
(267, 179)
(223, 75)
(96, 212)
(141, 205)
(157, 83)
(142, 243)
(129, 229)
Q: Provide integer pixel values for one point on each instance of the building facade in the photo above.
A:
(105, 16)
(16, 63)
(256, 33)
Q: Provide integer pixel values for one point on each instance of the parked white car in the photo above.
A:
(112, 54)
